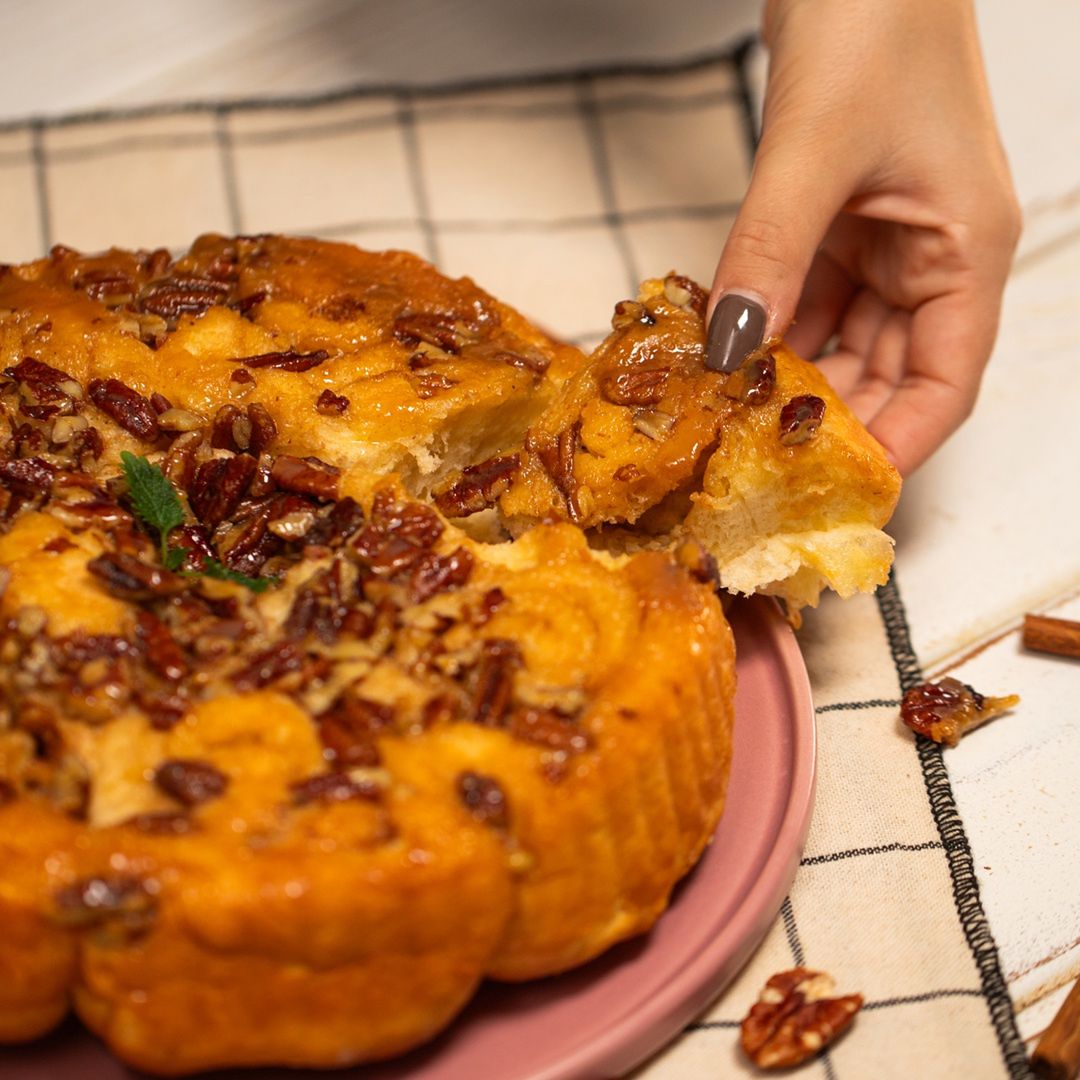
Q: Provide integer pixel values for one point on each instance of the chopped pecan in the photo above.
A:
(162, 823)
(116, 902)
(948, 709)
(246, 305)
(654, 424)
(340, 308)
(753, 383)
(242, 377)
(686, 293)
(288, 360)
(627, 473)
(268, 666)
(160, 403)
(306, 476)
(262, 430)
(629, 313)
(442, 330)
(191, 782)
(159, 646)
(484, 798)
(179, 463)
(330, 404)
(430, 383)
(490, 602)
(349, 727)
(194, 541)
(800, 418)
(165, 709)
(344, 519)
(414, 522)
(794, 1018)
(479, 487)
(7, 791)
(493, 682)
(127, 407)
(27, 476)
(219, 486)
(130, 578)
(434, 573)
(333, 787)
(532, 361)
(635, 386)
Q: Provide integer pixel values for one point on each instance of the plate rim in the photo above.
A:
(640, 1034)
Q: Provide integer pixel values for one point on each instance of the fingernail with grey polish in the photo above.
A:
(736, 330)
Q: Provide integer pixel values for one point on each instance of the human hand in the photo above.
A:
(880, 211)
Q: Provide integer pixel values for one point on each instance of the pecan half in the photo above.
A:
(557, 457)
(130, 578)
(685, 293)
(306, 477)
(333, 787)
(794, 1018)
(442, 330)
(349, 727)
(948, 709)
(494, 680)
(636, 386)
(289, 360)
(118, 902)
(800, 418)
(479, 487)
(484, 798)
(262, 427)
(191, 782)
(126, 406)
(219, 487)
(172, 297)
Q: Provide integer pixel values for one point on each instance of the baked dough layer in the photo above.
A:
(298, 826)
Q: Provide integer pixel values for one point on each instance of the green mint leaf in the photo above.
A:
(174, 558)
(152, 494)
(212, 568)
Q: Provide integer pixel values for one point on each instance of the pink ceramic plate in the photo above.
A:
(608, 1016)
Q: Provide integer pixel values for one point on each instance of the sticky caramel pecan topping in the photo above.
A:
(800, 418)
(118, 902)
(636, 386)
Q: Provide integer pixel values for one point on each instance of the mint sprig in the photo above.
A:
(157, 504)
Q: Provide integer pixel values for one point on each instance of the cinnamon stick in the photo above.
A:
(1057, 1056)
(1059, 636)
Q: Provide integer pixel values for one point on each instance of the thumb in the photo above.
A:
(795, 193)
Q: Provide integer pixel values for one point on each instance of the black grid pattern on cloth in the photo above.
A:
(400, 114)
(957, 849)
